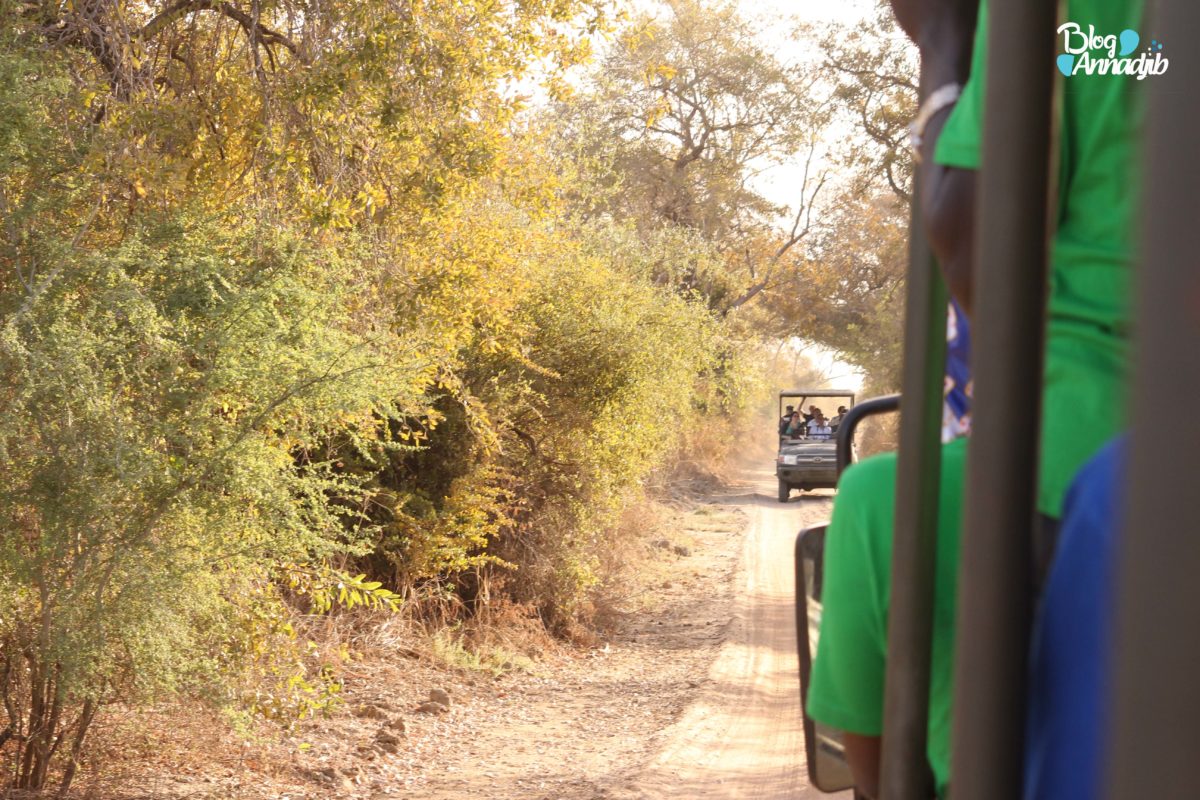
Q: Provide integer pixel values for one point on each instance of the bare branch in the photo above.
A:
(890, 80)
(258, 32)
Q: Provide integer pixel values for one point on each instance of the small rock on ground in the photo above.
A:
(387, 741)
(370, 711)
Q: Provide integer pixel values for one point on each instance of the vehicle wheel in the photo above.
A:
(784, 491)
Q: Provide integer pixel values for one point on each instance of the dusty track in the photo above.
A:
(694, 696)
(742, 736)
(696, 700)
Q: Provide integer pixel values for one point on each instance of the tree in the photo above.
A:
(873, 67)
(214, 288)
(290, 290)
(849, 295)
(680, 118)
(165, 399)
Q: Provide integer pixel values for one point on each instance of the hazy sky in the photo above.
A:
(811, 10)
(778, 18)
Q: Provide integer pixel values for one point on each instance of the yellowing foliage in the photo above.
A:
(293, 318)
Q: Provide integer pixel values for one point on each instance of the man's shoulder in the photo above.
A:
(873, 480)
(869, 472)
(866, 494)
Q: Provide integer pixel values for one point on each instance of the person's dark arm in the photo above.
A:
(862, 754)
(948, 209)
(944, 31)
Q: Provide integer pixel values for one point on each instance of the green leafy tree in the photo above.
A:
(849, 295)
(214, 292)
(165, 399)
(294, 318)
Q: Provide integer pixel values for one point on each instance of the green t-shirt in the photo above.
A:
(1092, 251)
(847, 680)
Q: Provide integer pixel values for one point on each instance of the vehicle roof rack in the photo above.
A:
(817, 393)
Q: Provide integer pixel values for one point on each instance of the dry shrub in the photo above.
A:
(879, 434)
(705, 456)
(622, 562)
(505, 635)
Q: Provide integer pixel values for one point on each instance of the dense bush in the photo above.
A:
(262, 333)
(617, 363)
(299, 312)
(544, 423)
(163, 401)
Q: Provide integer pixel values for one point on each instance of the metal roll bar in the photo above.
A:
(1155, 693)
(849, 425)
(904, 771)
(995, 589)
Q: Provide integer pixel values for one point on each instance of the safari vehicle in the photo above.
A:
(804, 462)
(1151, 732)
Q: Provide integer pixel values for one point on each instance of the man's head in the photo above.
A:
(841, 410)
(813, 409)
(790, 409)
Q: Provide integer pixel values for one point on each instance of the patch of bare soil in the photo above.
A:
(574, 727)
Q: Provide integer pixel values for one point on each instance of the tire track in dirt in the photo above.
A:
(697, 698)
(742, 737)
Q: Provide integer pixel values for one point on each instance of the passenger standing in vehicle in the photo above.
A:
(786, 419)
(1085, 351)
(836, 421)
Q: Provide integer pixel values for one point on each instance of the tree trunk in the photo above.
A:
(85, 722)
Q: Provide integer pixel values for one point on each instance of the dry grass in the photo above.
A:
(704, 457)
(645, 549)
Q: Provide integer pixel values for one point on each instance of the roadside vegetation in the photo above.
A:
(306, 308)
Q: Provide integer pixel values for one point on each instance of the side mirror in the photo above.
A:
(827, 767)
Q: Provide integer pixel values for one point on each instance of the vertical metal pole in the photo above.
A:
(904, 769)
(995, 572)
(1156, 697)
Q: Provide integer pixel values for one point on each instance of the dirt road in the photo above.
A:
(742, 736)
(694, 699)
(692, 696)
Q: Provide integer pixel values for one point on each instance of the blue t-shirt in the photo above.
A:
(1070, 657)
(956, 412)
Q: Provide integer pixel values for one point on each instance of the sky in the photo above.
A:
(838, 374)
(810, 10)
(778, 18)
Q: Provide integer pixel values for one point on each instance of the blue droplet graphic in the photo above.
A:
(1129, 41)
(1065, 62)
